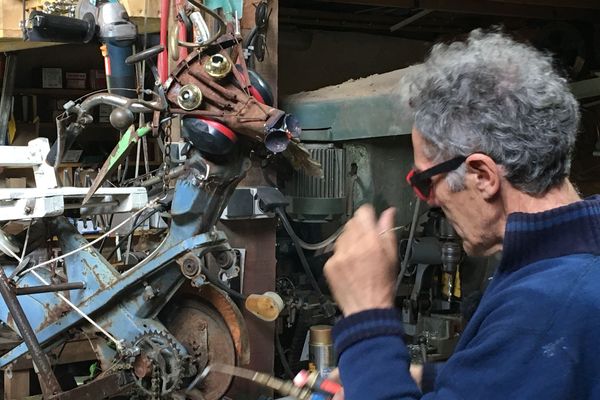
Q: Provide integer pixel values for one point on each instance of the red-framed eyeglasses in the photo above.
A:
(421, 181)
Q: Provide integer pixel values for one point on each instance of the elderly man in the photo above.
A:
(493, 133)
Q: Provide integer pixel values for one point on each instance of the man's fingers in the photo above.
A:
(339, 395)
(363, 220)
(387, 220)
(365, 216)
(334, 375)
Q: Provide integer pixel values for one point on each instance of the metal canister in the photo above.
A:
(320, 349)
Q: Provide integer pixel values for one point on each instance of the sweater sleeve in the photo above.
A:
(500, 362)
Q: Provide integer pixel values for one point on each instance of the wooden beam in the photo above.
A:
(491, 7)
(585, 4)
(317, 15)
(268, 68)
(537, 9)
(377, 3)
(368, 28)
(16, 385)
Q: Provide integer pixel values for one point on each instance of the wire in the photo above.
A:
(63, 298)
(282, 357)
(136, 224)
(218, 283)
(110, 221)
(222, 27)
(93, 242)
(26, 239)
(411, 237)
(322, 244)
(296, 240)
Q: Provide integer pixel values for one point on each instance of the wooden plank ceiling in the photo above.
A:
(430, 19)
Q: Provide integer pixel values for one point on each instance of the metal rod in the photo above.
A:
(411, 236)
(10, 72)
(48, 381)
(59, 287)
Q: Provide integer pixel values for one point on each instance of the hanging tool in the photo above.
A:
(121, 150)
(284, 387)
(107, 21)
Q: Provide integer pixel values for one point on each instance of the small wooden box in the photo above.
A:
(11, 13)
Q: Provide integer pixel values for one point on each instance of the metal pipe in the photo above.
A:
(48, 381)
(409, 20)
(173, 173)
(320, 349)
(58, 287)
(135, 105)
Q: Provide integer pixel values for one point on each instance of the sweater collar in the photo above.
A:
(571, 229)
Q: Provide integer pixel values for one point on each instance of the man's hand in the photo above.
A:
(362, 271)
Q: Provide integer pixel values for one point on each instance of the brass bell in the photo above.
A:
(218, 66)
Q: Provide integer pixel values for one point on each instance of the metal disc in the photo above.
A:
(186, 321)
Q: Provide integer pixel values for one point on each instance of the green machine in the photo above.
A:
(363, 143)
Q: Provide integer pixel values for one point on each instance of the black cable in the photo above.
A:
(136, 224)
(296, 241)
(282, 358)
(248, 40)
(218, 283)
(110, 221)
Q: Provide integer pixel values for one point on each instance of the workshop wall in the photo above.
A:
(310, 59)
(70, 57)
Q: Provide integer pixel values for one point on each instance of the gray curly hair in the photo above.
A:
(493, 95)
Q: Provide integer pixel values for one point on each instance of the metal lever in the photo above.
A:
(145, 54)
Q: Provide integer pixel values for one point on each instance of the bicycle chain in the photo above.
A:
(167, 157)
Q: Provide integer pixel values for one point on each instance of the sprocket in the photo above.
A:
(158, 368)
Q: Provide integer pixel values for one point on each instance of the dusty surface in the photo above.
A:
(374, 84)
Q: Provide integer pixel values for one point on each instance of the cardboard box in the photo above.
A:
(52, 78)
(76, 80)
(97, 79)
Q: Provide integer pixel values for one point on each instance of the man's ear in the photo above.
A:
(485, 173)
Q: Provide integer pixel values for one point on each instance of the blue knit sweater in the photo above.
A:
(535, 334)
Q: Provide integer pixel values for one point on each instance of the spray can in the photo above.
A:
(320, 349)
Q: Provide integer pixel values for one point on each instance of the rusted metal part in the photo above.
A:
(258, 238)
(229, 95)
(53, 312)
(225, 100)
(100, 388)
(205, 336)
(48, 381)
(58, 287)
(232, 317)
(190, 265)
(142, 366)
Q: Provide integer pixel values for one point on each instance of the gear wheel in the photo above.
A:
(158, 367)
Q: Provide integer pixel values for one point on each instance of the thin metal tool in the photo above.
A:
(286, 388)
(119, 153)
